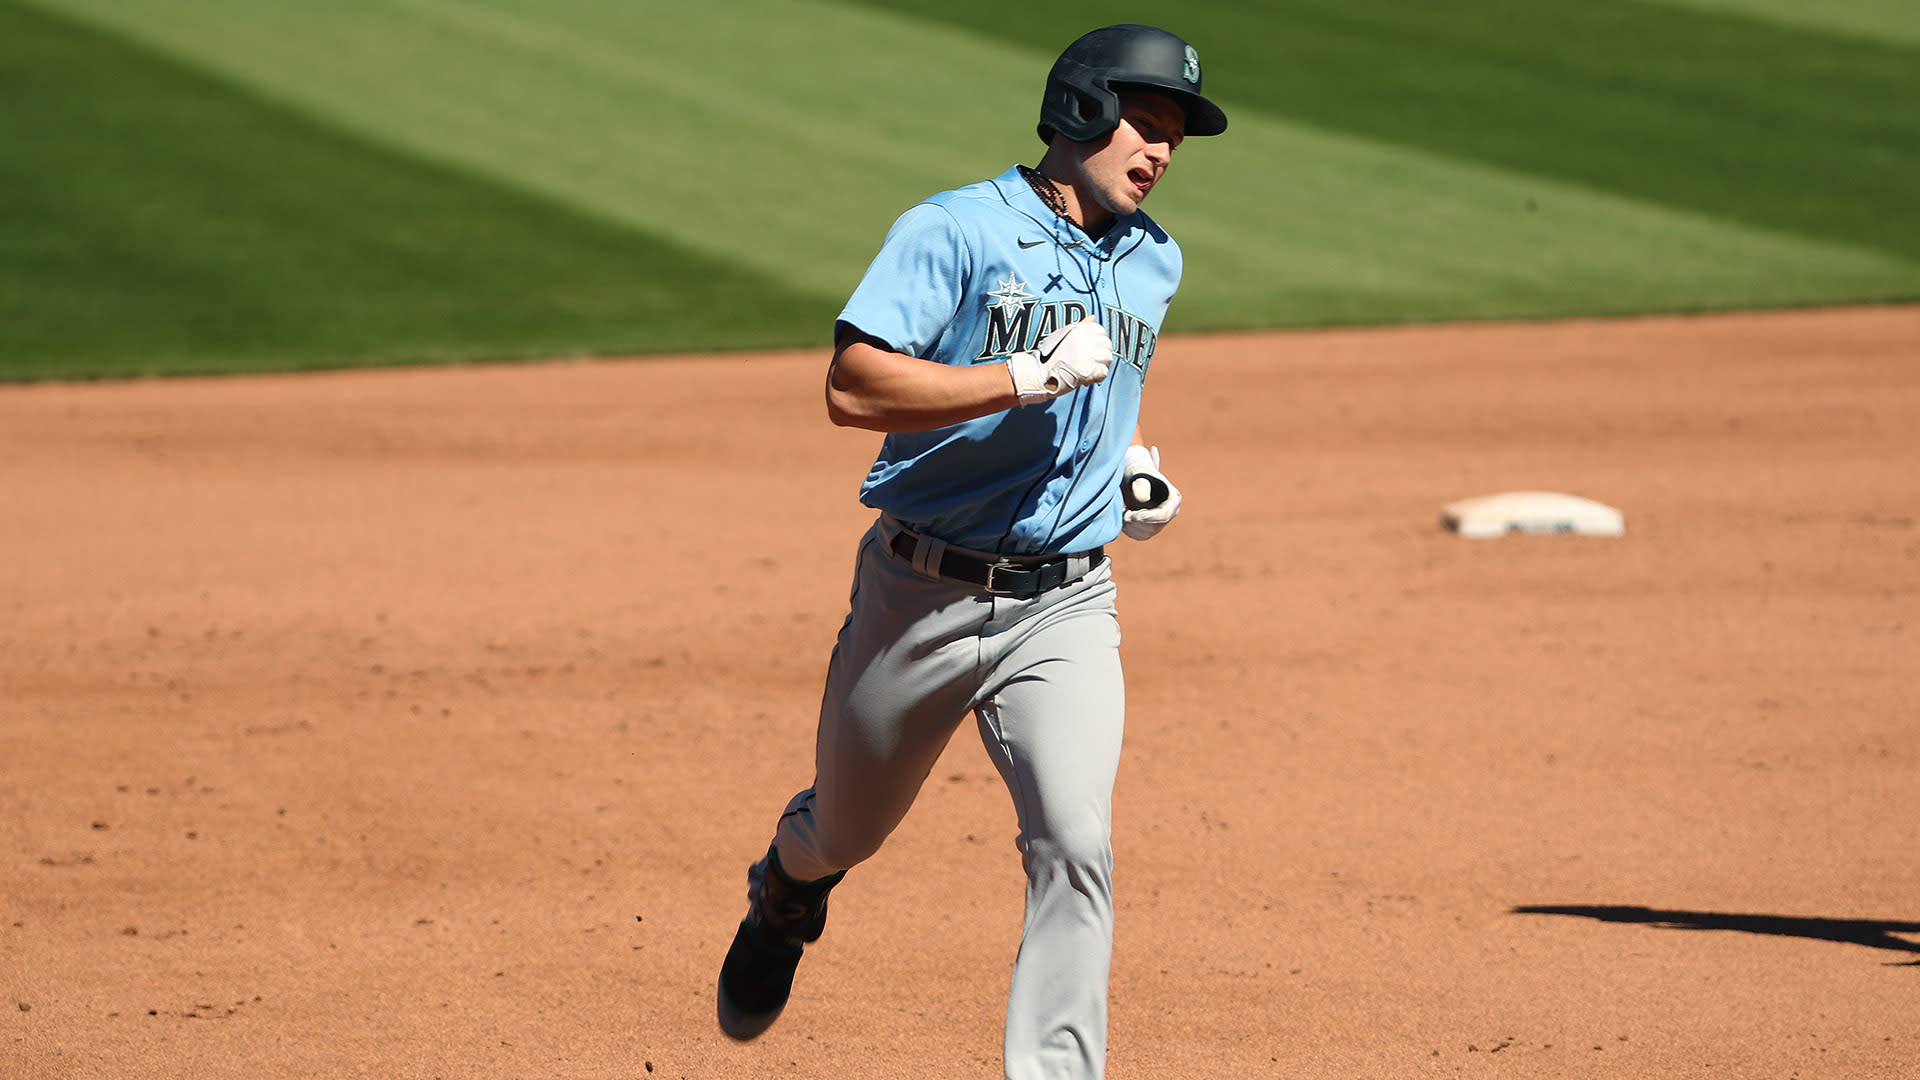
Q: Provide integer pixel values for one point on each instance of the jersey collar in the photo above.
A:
(1022, 197)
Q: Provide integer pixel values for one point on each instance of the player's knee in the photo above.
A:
(1082, 852)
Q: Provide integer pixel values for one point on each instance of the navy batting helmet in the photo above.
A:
(1082, 100)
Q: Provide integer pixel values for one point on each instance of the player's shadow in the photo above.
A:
(1872, 933)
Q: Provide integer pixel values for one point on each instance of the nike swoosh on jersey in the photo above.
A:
(1025, 244)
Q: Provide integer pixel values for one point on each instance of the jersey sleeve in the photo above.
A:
(913, 287)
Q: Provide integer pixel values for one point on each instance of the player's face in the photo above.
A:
(1123, 169)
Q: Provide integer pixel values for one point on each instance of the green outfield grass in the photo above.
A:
(158, 222)
(213, 185)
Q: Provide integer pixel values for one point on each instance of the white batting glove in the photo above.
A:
(1071, 356)
(1151, 499)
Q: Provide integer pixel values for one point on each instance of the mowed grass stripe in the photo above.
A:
(1775, 127)
(158, 220)
(1368, 233)
(784, 138)
(1896, 21)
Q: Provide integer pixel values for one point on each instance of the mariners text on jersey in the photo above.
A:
(1016, 321)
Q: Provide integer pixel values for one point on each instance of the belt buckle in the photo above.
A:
(993, 568)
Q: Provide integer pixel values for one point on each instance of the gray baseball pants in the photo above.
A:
(1042, 677)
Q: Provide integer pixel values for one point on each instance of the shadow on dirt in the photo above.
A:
(1873, 933)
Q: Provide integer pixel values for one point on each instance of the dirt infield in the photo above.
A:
(422, 723)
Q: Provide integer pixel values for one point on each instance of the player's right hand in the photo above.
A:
(1074, 355)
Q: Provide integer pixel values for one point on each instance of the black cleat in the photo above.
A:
(783, 916)
(755, 981)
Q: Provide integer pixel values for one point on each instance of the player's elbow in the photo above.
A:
(849, 401)
(842, 411)
(846, 408)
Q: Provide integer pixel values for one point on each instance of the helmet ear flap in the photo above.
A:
(1099, 113)
(1078, 104)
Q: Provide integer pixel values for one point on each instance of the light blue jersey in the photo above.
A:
(970, 276)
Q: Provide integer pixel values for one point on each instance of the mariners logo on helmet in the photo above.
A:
(1082, 99)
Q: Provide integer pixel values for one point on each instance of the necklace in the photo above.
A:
(1049, 194)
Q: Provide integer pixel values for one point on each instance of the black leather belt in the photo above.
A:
(1016, 576)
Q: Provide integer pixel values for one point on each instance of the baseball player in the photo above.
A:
(1000, 339)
